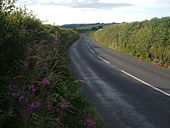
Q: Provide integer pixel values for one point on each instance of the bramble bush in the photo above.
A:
(149, 40)
(38, 90)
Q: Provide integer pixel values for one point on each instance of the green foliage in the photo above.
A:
(38, 90)
(149, 40)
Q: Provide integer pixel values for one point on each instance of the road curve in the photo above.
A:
(126, 92)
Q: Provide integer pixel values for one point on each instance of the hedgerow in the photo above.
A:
(37, 89)
(149, 40)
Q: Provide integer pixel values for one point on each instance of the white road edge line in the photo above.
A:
(89, 48)
(130, 74)
(96, 55)
(145, 83)
(92, 51)
(103, 59)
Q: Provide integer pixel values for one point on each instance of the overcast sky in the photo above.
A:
(92, 11)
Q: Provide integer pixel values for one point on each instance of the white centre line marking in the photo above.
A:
(96, 55)
(145, 83)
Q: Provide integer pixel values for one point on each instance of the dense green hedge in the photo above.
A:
(37, 89)
(149, 40)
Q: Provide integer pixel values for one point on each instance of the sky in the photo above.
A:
(61, 12)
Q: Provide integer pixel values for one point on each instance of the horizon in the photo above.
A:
(63, 12)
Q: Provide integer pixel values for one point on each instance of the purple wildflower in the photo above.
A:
(13, 87)
(49, 107)
(42, 85)
(89, 123)
(46, 81)
(35, 105)
(15, 95)
(29, 49)
(23, 99)
(64, 105)
(32, 88)
(26, 64)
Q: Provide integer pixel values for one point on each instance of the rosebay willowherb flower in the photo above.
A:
(13, 87)
(15, 95)
(46, 81)
(32, 88)
(23, 99)
(89, 123)
(35, 105)
(50, 107)
(64, 105)
(26, 64)
(29, 49)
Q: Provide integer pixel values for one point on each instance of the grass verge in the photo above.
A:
(147, 40)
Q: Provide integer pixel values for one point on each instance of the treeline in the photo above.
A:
(82, 28)
(149, 40)
(37, 88)
(88, 28)
(78, 25)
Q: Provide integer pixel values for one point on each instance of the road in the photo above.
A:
(126, 92)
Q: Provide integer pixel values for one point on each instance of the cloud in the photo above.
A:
(99, 5)
(93, 4)
(91, 11)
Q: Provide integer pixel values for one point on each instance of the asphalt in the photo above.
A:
(126, 92)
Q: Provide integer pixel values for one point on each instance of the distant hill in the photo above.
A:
(87, 27)
(78, 25)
